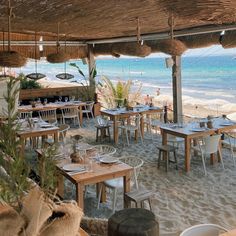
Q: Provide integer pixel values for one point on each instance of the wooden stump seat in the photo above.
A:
(133, 221)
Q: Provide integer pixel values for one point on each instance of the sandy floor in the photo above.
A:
(180, 200)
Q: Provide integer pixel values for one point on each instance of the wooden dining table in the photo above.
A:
(119, 114)
(100, 172)
(54, 105)
(192, 131)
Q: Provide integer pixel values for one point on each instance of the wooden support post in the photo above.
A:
(91, 66)
(177, 89)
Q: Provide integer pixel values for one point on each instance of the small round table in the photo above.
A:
(133, 222)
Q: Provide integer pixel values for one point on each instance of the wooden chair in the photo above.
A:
(48, 115)
(70, 112)
(88, 109)
(25, 115)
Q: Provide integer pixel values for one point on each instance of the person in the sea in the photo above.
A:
(147, 100)
(158, 91)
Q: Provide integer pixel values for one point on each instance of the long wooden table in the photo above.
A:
(36, 132)
(99, 173)
(56, 105)
(186, 132)
(118, 114)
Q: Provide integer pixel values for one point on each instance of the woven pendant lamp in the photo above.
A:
(58, 57)
(35, 75)
(65, 76)
(11, 58)
(172, 46)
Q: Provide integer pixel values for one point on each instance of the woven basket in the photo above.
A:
(12, 59)
(229, 40)
(172, 47)
(58, 57)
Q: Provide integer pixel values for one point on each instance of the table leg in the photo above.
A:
(60, 185)
(80, 195)
(187, 154)
(164, 142)
(126, 182)
(142, 126)
(80, 116)
(103, 196)
(56, 137)
(115, 130)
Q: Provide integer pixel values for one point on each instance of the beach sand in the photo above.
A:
(180, 200)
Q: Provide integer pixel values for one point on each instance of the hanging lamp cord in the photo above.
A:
(65, 52)
(138, 31)
(171, 23)
(10, 14)
(58, 44)
(35, 52)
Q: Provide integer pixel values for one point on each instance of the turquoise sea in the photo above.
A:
(211, 78)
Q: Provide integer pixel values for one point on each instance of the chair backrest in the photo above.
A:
(89, 106)
(203, 230)
(136, 163)
(103, 150)
(48, 115)
(101, 121)
(26, 114)
(211, 143)
(71, 111)
(62, 131)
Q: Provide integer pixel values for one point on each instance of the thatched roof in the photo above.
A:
(86, 21)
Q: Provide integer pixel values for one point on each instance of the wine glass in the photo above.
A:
(66, 99)
(45, 101)
(60, 98)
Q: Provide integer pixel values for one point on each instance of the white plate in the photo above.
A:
(108, 159)
(74, 167)
(198, 129)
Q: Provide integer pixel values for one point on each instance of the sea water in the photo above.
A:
(210, 80)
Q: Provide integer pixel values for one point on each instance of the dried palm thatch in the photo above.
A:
(12, 59)
(200, 41)
(229, 39)
(131, 49)
(208, 10)
(58, 57)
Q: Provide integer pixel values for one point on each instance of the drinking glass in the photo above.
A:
(60, 98)
(38, 100)
(45, 101)
(66, 99)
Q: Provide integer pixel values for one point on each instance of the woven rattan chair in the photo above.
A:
(48, 115)
(71, 112)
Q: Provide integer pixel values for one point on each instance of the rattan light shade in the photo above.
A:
(58, 57)
(131, 49)
(172, 47)
(12, 59)
(229, 40)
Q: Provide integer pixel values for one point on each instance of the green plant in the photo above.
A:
(112, 95)
(26, 83)
(15, 182)
(14, 169)
(87, 92)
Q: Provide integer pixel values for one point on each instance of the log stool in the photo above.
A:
(104, 131)
(133, 221)
(167, 149)
(139, 196)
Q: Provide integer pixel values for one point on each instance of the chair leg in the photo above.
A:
(127, 137)
(109, 135)
(176, 161)
(97, 135)
(232, 155)
(87, 115)
(203, 163)
(159, 159)
(114, 200)
(100, 195)
(167, 161)
(139, 131)
(221, 159)
(150, 204)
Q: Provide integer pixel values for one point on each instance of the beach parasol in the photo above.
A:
(59, 56)
(35, 75)
(65, 76)
(11, 58)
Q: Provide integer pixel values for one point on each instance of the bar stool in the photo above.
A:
(167, 149)
(103, 132)
(139, 196)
